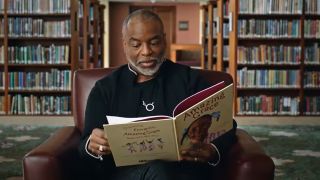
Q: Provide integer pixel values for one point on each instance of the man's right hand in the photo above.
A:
(98, 144)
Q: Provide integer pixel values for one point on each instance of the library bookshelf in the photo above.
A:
(274, 57)
(215, 32)
(91, 29)
(39, 51)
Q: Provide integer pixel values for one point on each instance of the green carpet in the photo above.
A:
(15, 142)
(294, 149)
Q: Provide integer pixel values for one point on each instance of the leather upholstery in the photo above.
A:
(56, 158)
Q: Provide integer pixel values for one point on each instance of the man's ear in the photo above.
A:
(124, 43)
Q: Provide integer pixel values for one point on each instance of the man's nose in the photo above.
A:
(146, 50)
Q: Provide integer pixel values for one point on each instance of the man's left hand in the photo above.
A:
(199, 152)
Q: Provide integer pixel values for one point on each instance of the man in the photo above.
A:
(148, 85)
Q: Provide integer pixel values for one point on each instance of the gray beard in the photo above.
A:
(148, 71)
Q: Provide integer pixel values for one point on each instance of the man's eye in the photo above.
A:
(155, 42)
(135, 45)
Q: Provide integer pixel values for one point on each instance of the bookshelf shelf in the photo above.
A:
(273, 44)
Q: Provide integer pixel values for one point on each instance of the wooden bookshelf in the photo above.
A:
(37, 56)
(215, 35)
(274, 57)
(91, 25)
(40, 44)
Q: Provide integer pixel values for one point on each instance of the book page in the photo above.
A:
(206, 120)
(140, 142)
(123, 120)
(197, 97)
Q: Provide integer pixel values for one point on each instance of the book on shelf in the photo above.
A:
(139, 140)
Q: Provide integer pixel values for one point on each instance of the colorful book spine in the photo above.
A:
(35, 27)
(311, 105)
(311, 79)
(54, 80)
(38, 54)
(36, 105)
(39, 6)
(269, 28)
(266, 54)
(267, 105)
(268, 78)
(270, 6)
(312, 54)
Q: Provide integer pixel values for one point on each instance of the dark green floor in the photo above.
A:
(294, 149)
(280, 142)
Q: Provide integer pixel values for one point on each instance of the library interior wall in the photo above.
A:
(118, 11)
(191, 13)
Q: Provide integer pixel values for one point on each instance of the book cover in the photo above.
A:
(201, 117)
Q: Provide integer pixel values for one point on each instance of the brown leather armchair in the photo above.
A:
(57, 157)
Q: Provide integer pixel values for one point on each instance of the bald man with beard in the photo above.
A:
(148, 85)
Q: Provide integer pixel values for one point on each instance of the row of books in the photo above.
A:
(267, 105)
(80, 9)
(312, 28)
(269, 28)
(270, 6)
(1, 27)
(312, 54)
(268, 78)
(38, 54)
(266, 54)
(311, 105)
(35, 27)
(311, 79)
(44, 105)
(1, 54)
(225, 52)
(2, 80)
(2, 105)
(312, 6)
(215, 29)
(38, 6)
(226, 7)
(2, 6)
(225, 30)
(53, 80)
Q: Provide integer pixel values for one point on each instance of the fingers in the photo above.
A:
(197, 153)
(98, 144)
(189, 155)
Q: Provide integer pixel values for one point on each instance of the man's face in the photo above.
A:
(144, 45)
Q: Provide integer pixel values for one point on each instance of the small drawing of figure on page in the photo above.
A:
(198, 129)
(131, 148)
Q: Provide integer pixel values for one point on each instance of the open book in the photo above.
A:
(201, 117)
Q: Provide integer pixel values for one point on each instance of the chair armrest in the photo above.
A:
(247, 160)
(53, 158)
